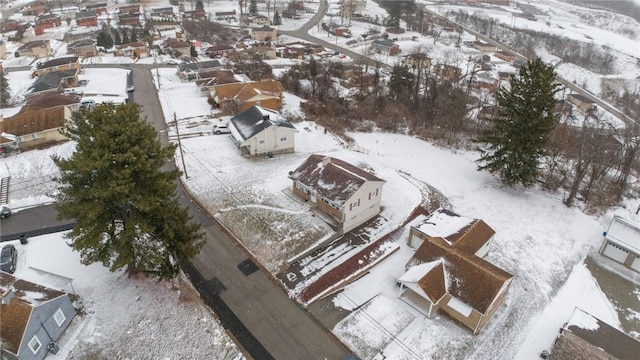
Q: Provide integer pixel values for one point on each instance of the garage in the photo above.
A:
(615, 252)
(635, 265)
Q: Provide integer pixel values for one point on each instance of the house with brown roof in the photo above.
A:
(483, 46)
(505, 55)
(33, 318)
(137, 49)
(129, 9)
(586, 337)
(84, 48)
(37, 48)
(219, 50)
(46, 21)
(40, 120)
(236, 97)
(259, 131)
(447, 271)
(126, 19)
(100, 8)
(58, 64)
(265, 33)
(346, 193)
(172, 46)
(226, 15)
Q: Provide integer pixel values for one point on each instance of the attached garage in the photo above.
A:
(615, 252)
(622, 242)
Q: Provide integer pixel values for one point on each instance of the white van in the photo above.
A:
(221, 129)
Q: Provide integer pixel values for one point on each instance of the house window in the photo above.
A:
(261, 142)
(284, 138)
(34, 344)
(373, 194)
(20, 138)
(355, 204)
(34, 136)
(59, 317)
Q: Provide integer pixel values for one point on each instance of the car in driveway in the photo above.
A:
(8, 258)
(5, 212)
(221, 129)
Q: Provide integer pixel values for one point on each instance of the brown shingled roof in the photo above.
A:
(331, 178)
(469, 278)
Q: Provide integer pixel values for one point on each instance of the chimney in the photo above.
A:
(326, 160)
(6, 300)
(265, 117)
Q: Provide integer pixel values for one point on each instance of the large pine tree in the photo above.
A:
(516, 139)
(253, 7)
(125, 206)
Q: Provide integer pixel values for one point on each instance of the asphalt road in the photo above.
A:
(32, 222)
(249, 303)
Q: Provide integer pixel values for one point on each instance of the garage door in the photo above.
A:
(635, 265)
(615, 252)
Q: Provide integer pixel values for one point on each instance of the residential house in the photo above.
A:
(260, 131)
(135, 49)
(129, 9)
(7, 25)
(622, 242)
(164, 12)
(46, 21)
(290, 14)
(448, 272)
(504, 75)
(484, 80)
(450, 72)
(483, 46)
(219, 50)
(86, 18)
(189, 71)
(265, 33)
(40, 119)
(505, 55)
(176, 46)
(36, 8)
(226, 15)
(263, 52)
(259, 20)
(417, 61)
(207, 79)
(385, 47)
(584, 336)
(99, 9)
(126, 19)
(37, 48)
(346, 193)
(58, 64)
(199, 14)
(582, 102)
(33, 318)
(84, 48)
(237, 97)
(53, 82)
(518, 63)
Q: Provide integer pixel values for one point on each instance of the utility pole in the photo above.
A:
(180, 146)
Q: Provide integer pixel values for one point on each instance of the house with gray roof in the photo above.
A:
(348, 194)
(189, 71)
(54, 81)
(33, 318)
(259, 131)
(584, 336)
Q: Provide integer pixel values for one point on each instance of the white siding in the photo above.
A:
(615, 252)
(635, 265)
(367, 208)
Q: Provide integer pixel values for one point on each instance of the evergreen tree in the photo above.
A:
(104, 40)
(193, 52)
(401, 82)
(117, 40)
(516, 139)
(5, 95)
(134, 35)
(125, 206)
(253, 7)
(276, 19)
(199, 6)
(125, 37)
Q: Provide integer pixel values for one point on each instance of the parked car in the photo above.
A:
(8, 259)
(221, 129)
(130, 88)
(4, 212)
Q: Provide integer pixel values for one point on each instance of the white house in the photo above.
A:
(348, 194)
(259, 131)
(622, 242)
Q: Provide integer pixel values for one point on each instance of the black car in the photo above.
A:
(8, 259)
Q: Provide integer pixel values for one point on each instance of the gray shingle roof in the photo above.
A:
(255, 119)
